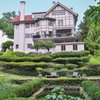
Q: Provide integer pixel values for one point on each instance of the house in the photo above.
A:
(57, 24)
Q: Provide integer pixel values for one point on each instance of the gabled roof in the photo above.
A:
(66, 8)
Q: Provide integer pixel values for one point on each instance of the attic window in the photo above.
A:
(58, 12)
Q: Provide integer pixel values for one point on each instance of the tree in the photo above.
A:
(48, 44)
(44, 44)
(38, 44)
(6, 25)
(7, 45)
(90, 28)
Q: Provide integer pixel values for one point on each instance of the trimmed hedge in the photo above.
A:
(30, 65)
(29, 88)
(26, 59)
(63, 81)
(66, 54)
(92, 89)
(71, 66)
(67, 60)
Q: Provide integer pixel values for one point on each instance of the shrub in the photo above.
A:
(66, 54)
(85, 53)
(97, 52)
(25, 59)
(85, 59)
(63, 81)
(71, 66)
(67, 60)
(30, 65)
(20, 54)
(92, 90)
(28, 88)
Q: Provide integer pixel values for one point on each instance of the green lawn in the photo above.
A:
(9, 76)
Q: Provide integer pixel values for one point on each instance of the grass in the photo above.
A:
(9, 76)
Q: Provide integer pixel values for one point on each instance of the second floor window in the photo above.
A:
(60, 22)
(27, 35)
(50, 23)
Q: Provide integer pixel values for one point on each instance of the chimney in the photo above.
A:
(22, 10)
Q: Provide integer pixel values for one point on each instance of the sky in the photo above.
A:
(79, 6)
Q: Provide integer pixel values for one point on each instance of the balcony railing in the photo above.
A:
(58, 38)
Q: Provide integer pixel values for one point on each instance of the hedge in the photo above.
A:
(26, 59)
(63, 81)
(66, 54)
(71, 66)
(67, 60)
(30, 65)
(92, 89)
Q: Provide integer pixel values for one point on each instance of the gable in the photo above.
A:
(60, 9)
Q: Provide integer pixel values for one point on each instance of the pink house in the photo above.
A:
(57, 24)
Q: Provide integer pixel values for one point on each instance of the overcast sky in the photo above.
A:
(79, 6)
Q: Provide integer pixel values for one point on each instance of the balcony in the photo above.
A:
(57, 38)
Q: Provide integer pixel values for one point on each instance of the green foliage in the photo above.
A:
(67, 60)
(44, 44)
(97, 52)
(63, 81)
(92, 89)
(7, 45)
(71, 66)
(94, 61)
(28, 88)
(6, 58)
(58, 94)
(66, 54)
(7, 54)
(85, 53)
(20, 54)
(6, 25)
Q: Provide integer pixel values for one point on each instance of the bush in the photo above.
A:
(66, 54)
(63, 81)
(97, 52)
(25, 59)
(20, 54)
(30, 65)
(71, 66)
(85, 59)
(28, 88)
(85, 53)
(92, 90)
(67, 60)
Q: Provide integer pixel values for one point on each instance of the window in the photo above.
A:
(50, 23)
(63, 47)
(27, 25)
(74, 47)
(17, 46)
(17, 26)
(29, 46)
(37, 24)
(58, 12)
(27, 35)
(32, 25)
(60, 22)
